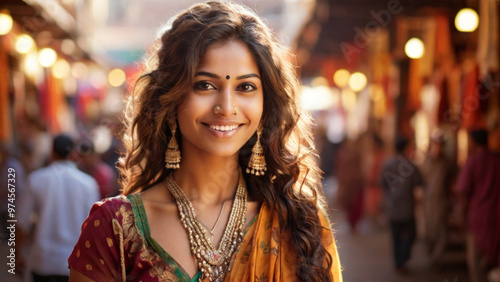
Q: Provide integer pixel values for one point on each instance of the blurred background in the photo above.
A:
(371, 70)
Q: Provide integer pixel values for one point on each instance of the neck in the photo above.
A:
(207, 179)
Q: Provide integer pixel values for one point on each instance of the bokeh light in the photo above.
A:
(319, 81)
(466, 20)
(6, 22)
(61, 69)
(414, 48)
(357, 81)
(341, 78)
(68, 46)
(316, 98)
(116, 77)
(349, 99)
(47, 57)
(31, 64)
(102, 138)
(24, 44)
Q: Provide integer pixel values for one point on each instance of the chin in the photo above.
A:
(224, 153)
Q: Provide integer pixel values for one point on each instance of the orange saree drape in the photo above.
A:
(263, 256)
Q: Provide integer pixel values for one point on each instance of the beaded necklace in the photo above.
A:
(212, 261)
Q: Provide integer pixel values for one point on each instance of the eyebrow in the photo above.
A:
(204, 73)
(247, 76)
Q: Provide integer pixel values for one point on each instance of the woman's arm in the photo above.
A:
(75, 276)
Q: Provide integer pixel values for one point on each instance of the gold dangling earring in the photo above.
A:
(257, 164)
(173, 154)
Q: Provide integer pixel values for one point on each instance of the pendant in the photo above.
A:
(213, 257)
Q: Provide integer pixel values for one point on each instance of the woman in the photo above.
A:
(218, 180)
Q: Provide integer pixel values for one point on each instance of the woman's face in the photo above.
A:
(225, 103)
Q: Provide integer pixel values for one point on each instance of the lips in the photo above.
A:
(223, 128)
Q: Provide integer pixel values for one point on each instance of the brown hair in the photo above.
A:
(292, 183)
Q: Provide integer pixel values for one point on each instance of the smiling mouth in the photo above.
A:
(223, 128)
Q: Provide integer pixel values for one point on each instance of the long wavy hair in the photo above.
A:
(292, 185)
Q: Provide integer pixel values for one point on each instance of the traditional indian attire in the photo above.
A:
(116, 245)
(479, 183)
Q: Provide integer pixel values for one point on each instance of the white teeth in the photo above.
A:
(223, 127)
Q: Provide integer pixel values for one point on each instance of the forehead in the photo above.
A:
(231, 57)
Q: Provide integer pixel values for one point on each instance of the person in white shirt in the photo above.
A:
(61, 197)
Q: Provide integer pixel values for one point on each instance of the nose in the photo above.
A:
(225, 105)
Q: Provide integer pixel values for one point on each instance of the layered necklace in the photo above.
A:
(212, 261)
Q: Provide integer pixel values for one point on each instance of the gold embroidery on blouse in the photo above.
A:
(88, 267)
(158, 267)
(78, 253)
(117, 230)
(130, 234)
(130, 240)
(165, 275)
(102, 261)
(87, 244)
(110, 242)
(96, 222)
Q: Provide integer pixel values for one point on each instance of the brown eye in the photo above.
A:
(246, 87)
(204, 85)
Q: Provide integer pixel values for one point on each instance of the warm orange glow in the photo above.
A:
(47, 57)
(61, 69)
(357, 81)
(24, 44)
(116, 77)
(414, 48)
(6, 22)
(466, 20)
(341, 78)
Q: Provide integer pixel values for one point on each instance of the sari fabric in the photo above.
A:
(115, 245)
(264, 256)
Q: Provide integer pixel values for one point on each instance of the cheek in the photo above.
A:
(254, 108)
(192, 108)
(187, 113)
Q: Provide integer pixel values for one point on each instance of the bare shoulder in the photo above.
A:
(158, 204)
(157, 194)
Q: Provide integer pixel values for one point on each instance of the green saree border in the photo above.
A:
(143, 227)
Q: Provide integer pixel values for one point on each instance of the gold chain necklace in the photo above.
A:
(212, 261)
(216, 222)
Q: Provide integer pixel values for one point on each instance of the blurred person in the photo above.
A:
(26, 157)
(61, 197)
(351, 181)
(438, 172)
(479, 186)
(36, 142)
(218, 98)
(373, 193)
(91, 163)
(112, 155)
(399, 178)
(16, 178)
